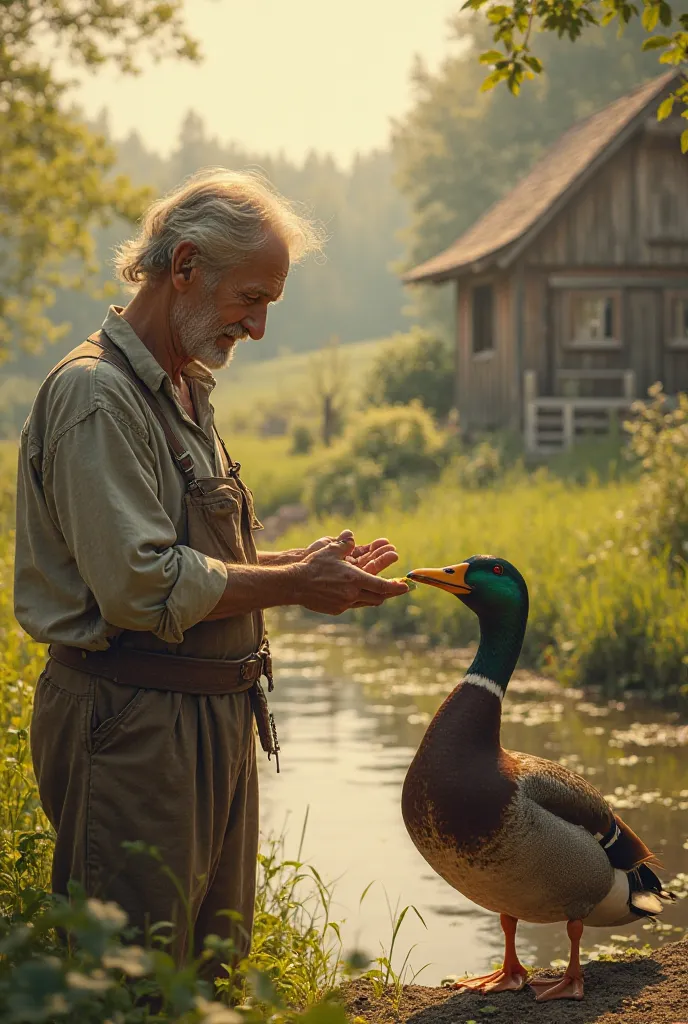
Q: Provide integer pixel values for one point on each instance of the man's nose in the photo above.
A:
(255, 325)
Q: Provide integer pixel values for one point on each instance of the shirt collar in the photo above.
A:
(144, 363)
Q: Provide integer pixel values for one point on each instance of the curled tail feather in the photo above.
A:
(628, 851)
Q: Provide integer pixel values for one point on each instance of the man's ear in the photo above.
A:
(184, 261)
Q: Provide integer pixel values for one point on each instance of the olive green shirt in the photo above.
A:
(100, 504)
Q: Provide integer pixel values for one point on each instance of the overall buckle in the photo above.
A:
(252, 668)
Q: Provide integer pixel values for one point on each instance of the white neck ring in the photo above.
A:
(486, 684)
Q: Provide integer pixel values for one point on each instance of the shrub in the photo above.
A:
(398, 444)
(302, 440)
(416, 366)
(659, 438)
(482, 466)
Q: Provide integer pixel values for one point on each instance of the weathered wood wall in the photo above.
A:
(615, 221)
(486, 381)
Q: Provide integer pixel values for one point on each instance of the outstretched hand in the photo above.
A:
(336, 575)
(372, 558)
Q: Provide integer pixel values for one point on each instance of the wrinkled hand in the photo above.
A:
(335, 575)
(372, 558)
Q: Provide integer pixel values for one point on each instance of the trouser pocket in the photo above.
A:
(112, 704)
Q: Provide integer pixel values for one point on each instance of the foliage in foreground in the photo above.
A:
(103, 975)
(515, 25)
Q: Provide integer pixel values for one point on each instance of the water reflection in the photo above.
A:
(351, 712)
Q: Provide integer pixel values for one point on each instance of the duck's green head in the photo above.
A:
(488, 586)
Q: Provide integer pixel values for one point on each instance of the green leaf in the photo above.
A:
(665, 14)
(324, 1013)
(491, 57)
(650, 18)
(534, 64)
(262, 987)
(684, 141)
(656, 42)
(498, 75)
(665, 108)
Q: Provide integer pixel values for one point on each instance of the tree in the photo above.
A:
(514, 26)
(329, 384)
(458, 149)
(56, 184)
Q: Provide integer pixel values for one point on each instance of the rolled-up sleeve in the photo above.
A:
(104, 498)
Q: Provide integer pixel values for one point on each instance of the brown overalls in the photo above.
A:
(158, 750)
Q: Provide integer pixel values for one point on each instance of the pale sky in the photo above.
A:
(293, 75)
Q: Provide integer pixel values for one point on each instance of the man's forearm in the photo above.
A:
(250, 587)
(281, 557)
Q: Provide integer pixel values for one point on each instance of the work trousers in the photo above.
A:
(117, 763)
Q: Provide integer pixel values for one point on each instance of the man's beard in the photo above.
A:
(198, 329)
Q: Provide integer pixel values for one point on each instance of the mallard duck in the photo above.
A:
(517, 834)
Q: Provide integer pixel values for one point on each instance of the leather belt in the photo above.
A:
(151, 671)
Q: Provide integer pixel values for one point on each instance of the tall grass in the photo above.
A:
(600, 613)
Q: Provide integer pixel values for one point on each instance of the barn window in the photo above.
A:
(594, 320)
(483, 318)
(677, 319)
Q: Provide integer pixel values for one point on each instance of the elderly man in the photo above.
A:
(136, 562)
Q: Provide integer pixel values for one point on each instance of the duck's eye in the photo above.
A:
(449, 572)
(498, 570)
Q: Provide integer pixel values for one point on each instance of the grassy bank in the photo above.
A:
(601, 613)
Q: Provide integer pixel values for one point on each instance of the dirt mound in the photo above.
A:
(633, 990)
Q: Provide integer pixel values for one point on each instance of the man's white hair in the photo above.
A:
(226, 215)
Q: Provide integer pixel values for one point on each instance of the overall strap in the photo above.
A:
(111, 354)
(232, 466)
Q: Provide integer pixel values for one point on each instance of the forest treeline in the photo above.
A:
(455, 152)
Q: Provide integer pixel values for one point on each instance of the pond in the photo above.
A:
(351, 711)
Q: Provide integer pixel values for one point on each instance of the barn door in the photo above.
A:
(643, 331)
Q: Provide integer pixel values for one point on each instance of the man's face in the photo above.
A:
(209, 322)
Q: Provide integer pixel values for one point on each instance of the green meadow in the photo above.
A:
(603, 612)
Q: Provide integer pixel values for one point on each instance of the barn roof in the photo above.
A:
(547, 187)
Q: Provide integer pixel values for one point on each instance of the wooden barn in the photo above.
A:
(572, 290)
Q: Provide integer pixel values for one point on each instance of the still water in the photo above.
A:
(351, 711)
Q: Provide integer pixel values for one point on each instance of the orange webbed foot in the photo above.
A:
(566, 987)
(511, 976)
(510, 979)
(570, 986)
